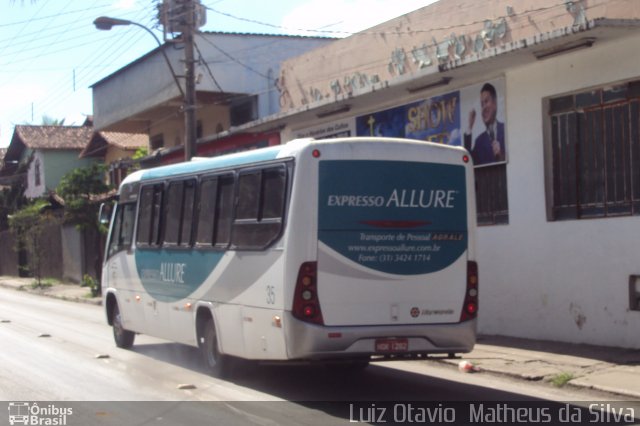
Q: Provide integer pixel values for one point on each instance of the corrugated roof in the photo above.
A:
(53, 137)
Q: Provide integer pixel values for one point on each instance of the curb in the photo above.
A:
(87, 300)
(578, 383)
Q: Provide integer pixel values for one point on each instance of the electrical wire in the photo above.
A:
(382, 33)
(92, 65)
(57, 95)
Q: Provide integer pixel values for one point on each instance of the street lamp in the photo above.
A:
(106, 23)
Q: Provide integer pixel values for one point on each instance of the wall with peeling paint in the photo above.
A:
(421, 41)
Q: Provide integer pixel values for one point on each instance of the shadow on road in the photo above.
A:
(378, 388)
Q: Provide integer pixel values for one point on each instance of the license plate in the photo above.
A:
(392, 345)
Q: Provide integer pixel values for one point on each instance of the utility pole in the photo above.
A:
(190, 123)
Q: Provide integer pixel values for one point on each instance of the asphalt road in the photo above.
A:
(62, 354)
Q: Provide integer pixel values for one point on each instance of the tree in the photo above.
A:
(12, 197)
(29, 224)
(77, 188)
(48, 121)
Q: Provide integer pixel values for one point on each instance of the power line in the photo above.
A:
(384, 33)
(63, 91)
(201, 59)
(56, 15)
(228, 55)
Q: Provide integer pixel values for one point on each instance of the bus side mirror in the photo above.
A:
(104, 214)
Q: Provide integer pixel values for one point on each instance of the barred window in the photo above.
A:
(491, 195)
(595, 152)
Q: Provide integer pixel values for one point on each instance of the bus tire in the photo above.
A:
(123, 337)
(217, 364)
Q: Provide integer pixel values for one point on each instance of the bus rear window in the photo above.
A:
(260, 212)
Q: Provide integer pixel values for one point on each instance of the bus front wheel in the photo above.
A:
(124, 338)
(217, 364)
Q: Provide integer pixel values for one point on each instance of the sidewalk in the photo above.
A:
(613, 370)
(71, 292)
(606, 369)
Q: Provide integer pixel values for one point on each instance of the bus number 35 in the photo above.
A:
(271, 295)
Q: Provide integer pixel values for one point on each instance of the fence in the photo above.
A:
(69, 254)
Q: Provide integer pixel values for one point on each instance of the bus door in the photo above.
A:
(120, 270)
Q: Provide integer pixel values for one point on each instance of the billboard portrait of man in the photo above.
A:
(489, 144)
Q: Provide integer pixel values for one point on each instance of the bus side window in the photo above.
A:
(114, 240)
(260, 211)
(128, 219)
(179, 213)
(122, 232)
(207, 197)
(215, 213)
(248, 196)
(224, 211)
(149, 215)
(187, 213)
(273, 189)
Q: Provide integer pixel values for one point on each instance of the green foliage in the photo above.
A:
(47, 282)
(140, 153)
(559, 380)
(29, 224)
(48, 121)
(12, 198)
(92, 283)
(75, 188)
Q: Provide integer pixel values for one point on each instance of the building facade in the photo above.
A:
(545, 94)
(50, 151)
(236, 83)
(557, 192)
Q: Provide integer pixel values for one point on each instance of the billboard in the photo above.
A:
(472, 117)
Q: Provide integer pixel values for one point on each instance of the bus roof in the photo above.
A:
(289, 149)
(204, 164)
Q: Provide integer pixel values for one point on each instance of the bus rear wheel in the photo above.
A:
(124, 338)
(217, 364)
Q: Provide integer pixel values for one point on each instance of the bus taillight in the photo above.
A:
(306, 306)
(470, 307)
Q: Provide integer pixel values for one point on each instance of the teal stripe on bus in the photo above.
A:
(213, 163)
(169, 275)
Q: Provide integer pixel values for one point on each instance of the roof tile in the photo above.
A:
(54, 137)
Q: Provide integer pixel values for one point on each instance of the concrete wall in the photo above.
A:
(563, 280)
(240, 63)
(211, 117)
(556, 280)
(9, 257)
(69, 254)
(411, 44)
(72, 258)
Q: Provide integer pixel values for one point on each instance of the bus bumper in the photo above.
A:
(311, 341)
